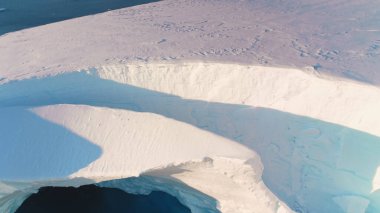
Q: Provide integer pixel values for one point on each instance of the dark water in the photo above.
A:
(20, 14)
(94, 199)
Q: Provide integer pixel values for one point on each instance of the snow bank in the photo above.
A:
(57, 142)
(330, 154)
(343, 102)
(96, 130)
(318, 139)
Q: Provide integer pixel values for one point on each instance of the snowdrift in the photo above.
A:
(318, 139)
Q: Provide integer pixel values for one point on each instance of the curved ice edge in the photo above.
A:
(195, 200)
(326, 170)
(158, 179)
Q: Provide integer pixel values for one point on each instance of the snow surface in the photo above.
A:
(105, 136)
(175, 92)
(339, 37)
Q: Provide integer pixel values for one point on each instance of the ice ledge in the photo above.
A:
(310, 132)
(195, 184)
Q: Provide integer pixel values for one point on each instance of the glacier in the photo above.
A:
(265, 110)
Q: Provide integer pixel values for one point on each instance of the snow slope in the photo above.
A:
(155, 91)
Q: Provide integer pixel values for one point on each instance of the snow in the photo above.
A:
(355, 204)
(232, 106)
(338, 36)
(148, 140)
(238, 179)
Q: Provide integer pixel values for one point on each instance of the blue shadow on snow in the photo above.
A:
(310, 164)
(33, 148)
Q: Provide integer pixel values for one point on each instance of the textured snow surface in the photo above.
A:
(339, 37)
(173, 96)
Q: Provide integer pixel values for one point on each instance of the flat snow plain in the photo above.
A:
(229, 106)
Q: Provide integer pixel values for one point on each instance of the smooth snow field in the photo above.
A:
(227, 106)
